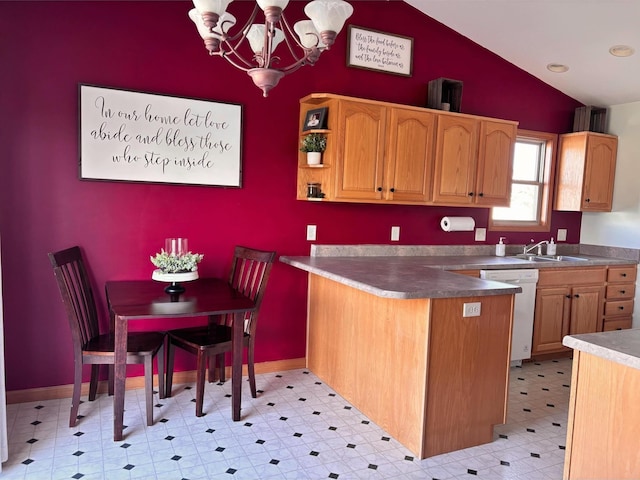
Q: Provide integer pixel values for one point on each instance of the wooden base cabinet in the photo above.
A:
(435, 380)
(602, 431)
(619, 297)
(568, 301)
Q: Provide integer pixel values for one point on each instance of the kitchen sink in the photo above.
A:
(550, 258)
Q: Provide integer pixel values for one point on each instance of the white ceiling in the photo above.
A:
(534, 33)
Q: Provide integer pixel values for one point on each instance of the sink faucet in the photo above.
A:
(537, 245)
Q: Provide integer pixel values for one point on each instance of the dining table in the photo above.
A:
(130, 300)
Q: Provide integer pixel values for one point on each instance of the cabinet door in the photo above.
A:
(551, 320)
(409, 158)
(597, 194)
(587, 304)
(455, 162)
(360, 152)
(495, 163)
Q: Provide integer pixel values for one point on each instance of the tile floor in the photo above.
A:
(297, 428)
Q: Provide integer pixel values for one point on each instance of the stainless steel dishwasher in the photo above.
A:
(523, 309)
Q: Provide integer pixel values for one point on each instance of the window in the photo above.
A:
(531, 187)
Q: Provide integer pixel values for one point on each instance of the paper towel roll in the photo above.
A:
(457, 224)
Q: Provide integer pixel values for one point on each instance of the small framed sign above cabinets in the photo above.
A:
(143, 137)
(374, 50)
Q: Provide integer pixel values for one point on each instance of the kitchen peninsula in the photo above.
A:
(422, 352)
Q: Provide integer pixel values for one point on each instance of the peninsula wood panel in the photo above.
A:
(468, 375)
(373, 352)
(435, 380)
(602, 433)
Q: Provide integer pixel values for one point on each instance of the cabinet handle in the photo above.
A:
(623, 275)
(622, 292)
(471, 194)
(379, 189)
(568, 296)
(577, 296)
(620, 308)
(587, 200)
(392, 189)
(481, 194)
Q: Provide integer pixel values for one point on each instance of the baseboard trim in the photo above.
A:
(65, 391)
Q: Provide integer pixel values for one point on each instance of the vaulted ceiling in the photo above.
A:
(532, 34)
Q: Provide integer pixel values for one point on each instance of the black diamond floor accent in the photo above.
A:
(231, 471)
(169, 437)
(289, 386)
(248, 424)
(347, 407)
(531, 430)
(408, 458)
(505, 463)
(350, 445)
(555, 424)
(220, 449)
(79, 434)
(502, 435)
(333, 475)
(472, 472)
(32, 440)
(535, 455)
(284, 419)
(209, 430)
(273, 461)
(28, 461)
(316, 413)
(77, 453)
(313, 453)
(164, 420)
(129, 467)
(385, 439)
(260, 441)
(176, 457)
(333, 428)
(297, 434)
(39, 407)
(78, 475)
(37, 422)
(125, 445)
(302, 399)
(372, 466)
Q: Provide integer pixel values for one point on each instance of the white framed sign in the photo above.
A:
(143, 137)
(374, 50)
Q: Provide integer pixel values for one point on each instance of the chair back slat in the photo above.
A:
(77, 294)
(250, 272)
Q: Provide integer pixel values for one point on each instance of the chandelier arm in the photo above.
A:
(236, 64)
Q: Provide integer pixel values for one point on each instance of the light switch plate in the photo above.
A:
(481, 234)
(311, 232)
(562, 235)
(395, 234)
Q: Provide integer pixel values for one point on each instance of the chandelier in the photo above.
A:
(311, 37)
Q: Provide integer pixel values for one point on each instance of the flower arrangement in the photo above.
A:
(171, 263)
(314, 142)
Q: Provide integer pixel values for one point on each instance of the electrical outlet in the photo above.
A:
(562, 234)
(311, 232)
(395, 234)
(481, 234)
(471, 309)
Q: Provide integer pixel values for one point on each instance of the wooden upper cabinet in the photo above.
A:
(586, 170)
(474, 161)
(495, 163)
(379, 152)
(455, 168)
(409, 155)
(360, 150)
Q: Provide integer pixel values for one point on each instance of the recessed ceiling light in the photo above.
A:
(621, 51)
(557, 68)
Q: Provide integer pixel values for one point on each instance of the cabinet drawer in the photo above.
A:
(622, 307)
(621, 291)
(572, 276)
(626, 273)
(619, 324)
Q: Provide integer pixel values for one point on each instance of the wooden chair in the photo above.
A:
(89, 346)
(249, 275)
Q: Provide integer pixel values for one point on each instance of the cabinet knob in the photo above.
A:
(379, 189)
(577, 296)
(392, 189)
(568, 296)
(620, 308)
(622, 292)
(471, 194)
(587, 200)
(623, 274)
(481, 194)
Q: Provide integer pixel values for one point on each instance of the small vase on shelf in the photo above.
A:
(314, 158)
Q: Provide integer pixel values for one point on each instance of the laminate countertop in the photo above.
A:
(620, 346)
(434, 276)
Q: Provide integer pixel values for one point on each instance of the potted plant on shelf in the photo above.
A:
(314, 144)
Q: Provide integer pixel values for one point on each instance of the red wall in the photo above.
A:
(48, 48)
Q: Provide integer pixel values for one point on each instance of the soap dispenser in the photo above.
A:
(551, 247)
(500, 247)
